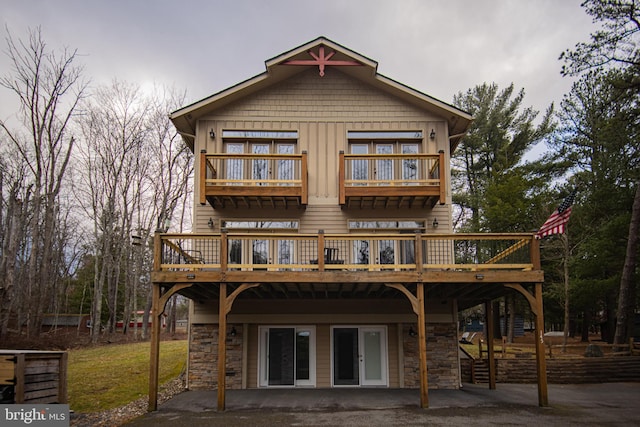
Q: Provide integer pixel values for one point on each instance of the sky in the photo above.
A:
(438, 47)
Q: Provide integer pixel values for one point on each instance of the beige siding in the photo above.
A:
(323, 356)
(252, 357)
(322, 110)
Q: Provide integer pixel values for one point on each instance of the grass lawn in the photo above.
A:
(106, 377)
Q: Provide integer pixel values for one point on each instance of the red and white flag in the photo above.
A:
(557, 222)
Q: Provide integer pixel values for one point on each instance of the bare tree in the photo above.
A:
(48, 86)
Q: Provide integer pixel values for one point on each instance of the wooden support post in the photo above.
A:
(304, 178)
(541, 363)
(422, 338)
(155, 348)
(222, 346)
(491, 361)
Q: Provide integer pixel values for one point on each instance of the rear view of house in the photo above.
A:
(322, 253)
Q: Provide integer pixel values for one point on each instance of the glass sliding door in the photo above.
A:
(286, 356)
(359, 356)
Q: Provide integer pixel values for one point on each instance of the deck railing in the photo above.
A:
(229, 251)
(410, 173)
(245, 170)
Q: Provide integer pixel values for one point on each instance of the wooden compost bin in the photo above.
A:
(36, 376)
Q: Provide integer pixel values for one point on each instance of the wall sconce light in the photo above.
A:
(210, 222)
(233, 332)
(412, 333)
(432, 135)
(435, 223)
(212, 134)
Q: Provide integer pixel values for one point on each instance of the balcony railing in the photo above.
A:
(245, 177)
(369, 252)
(367, 179)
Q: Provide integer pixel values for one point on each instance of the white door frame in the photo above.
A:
(263, 354)
(383, 381)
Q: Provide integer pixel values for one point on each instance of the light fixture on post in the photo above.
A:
(210, 223)
(435, 223)
(432, 135)
(212, 134)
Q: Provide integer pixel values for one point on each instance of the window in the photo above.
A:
(260, 170)
(247, 252)
(381, 170)
(385, 251)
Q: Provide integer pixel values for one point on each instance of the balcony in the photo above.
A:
(373, 181)
(470, 267)
(253, 180)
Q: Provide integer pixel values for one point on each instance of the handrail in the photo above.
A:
(366, 251)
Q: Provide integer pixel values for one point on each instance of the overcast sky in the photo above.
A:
(437, 47)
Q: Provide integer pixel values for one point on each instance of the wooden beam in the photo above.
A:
(222, 346)
(422, 346)
(488, 310)
(541, 363)
(155, 349)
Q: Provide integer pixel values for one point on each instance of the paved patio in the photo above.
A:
(513, 404)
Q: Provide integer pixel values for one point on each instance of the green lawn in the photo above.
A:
(106, 377)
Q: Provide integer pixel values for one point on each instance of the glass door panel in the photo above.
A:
(260, 167)
(384, 167)
(346, 370)
(285, 168)
(234, 167)
(373, 365)
(410, 166)
(359, 167)
(281, 356)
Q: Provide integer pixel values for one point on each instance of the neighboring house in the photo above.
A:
(322, 242)
(75, 322)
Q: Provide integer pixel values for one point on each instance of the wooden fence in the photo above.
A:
(35, 376)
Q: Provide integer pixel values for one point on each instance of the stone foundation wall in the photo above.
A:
(442, 357)
(203, 367)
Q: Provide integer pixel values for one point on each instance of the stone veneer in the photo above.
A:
(442, 357)
(203, 367)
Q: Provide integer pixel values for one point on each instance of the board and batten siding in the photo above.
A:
(322, 110)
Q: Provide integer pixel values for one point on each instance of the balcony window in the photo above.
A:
(260, 170)
(383, 169)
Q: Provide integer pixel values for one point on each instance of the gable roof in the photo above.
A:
(351, 63)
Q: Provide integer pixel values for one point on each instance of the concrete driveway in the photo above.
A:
(475, 405)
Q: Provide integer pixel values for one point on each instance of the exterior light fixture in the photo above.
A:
(432, 135)
(233, 332)
(212, 134)
(191, 276)
(435, 223)
(412, 333)
(479, 276)
(210, 222)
